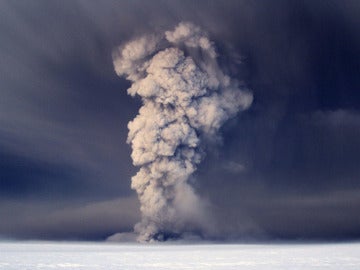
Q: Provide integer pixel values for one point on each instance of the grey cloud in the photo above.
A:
(94, 220)
(62, 108)
(259, 212)
(234, 167)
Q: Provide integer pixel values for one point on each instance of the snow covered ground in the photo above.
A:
(53, 255)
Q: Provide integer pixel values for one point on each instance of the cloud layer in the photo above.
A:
(286, 167)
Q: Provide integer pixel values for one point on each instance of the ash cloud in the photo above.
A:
(186, 99)
(63, 119)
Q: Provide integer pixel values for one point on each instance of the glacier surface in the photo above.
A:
(65, 255)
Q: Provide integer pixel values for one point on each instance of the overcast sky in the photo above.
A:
(287, 168)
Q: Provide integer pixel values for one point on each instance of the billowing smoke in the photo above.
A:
(186, 99)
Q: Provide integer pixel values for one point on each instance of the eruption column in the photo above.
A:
(186, 99)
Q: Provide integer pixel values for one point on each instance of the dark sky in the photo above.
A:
(288, 168)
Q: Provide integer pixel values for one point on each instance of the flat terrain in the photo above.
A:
(64, 255)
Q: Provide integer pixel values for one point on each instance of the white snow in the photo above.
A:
(63, 255)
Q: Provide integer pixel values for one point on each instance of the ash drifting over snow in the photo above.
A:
(186, 99)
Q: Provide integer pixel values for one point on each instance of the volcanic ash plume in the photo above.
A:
(186, 99)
